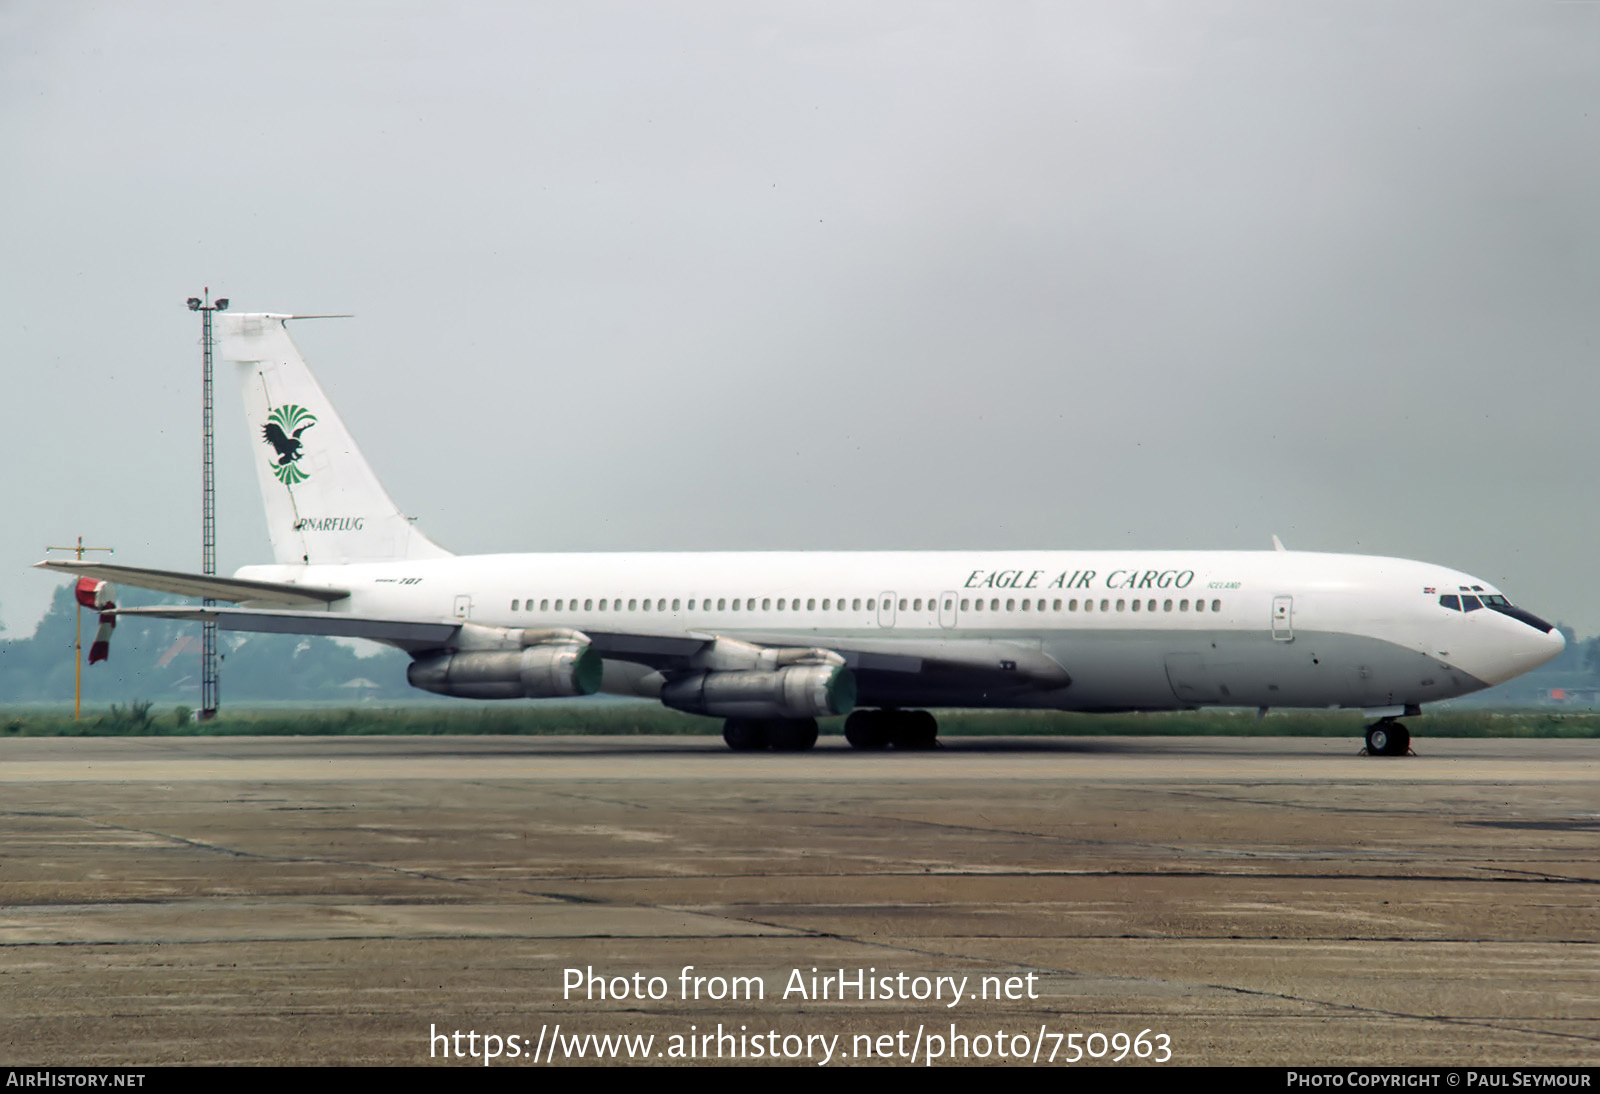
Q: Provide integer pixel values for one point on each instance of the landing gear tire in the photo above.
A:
(1387, 737)
(792, 734)
(905, 729)
(867, 729)
(778, 734)
(745, 734)
(915, 730)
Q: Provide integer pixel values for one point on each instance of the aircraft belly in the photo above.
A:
(894, 682)
(1131, 670)
(1168, 670)
(1318, 669)
(1117, 670)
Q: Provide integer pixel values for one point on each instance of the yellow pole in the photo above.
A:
(77, 642)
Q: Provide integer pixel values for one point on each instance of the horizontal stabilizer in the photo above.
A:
(210, 586)
(407, 633)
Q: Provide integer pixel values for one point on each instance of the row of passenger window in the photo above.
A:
(723, 604)
(914, 604)
(1105, 605)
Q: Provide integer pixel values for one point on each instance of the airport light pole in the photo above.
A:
(208, 503)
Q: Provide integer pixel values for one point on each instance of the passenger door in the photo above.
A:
(1283, 618)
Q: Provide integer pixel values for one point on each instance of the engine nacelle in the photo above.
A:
(799, 691)
(538, 672)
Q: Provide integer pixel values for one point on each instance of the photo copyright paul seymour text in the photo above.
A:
(1455, 1078)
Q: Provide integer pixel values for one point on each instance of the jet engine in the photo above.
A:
(548, 671)
(798, 691)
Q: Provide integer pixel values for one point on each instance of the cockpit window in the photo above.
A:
(1504, 607)
(1496, 602)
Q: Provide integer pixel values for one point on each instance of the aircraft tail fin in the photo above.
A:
(323, 502)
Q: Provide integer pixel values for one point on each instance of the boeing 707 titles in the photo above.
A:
(772, 641)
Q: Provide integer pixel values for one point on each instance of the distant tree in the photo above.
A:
(1591, 656)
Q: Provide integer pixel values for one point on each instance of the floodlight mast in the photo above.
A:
(208, 502)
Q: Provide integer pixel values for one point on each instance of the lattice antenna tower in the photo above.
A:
(208, 500)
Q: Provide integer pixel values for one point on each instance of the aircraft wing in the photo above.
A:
(884, 666)
(664, 649)
(210, 586)
(414, 634)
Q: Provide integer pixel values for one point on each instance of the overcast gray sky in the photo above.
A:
(743, 275)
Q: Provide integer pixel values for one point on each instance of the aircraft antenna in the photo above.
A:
(208, 502)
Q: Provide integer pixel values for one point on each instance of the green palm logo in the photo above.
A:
(282, 432)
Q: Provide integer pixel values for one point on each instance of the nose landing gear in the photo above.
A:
(1387, 737)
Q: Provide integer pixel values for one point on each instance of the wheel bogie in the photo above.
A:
(778, 734)
(904, 729)
(744, 734)
(792, 734)
(867, 729)
(916, 729)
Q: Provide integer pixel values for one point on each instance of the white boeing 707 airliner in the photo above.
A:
(771, 641)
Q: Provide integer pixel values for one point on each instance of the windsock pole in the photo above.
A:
(77, 644)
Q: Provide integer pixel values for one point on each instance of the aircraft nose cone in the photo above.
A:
(1514, 650)
(1555, 642)
(1532, 647)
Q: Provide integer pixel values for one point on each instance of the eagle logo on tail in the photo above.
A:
(282, 432)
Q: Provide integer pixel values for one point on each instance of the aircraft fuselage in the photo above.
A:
(1083, 630)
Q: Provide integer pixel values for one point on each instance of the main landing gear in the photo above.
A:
(911, 729)
(1387, 737)
(778, 734)
(870, 729)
